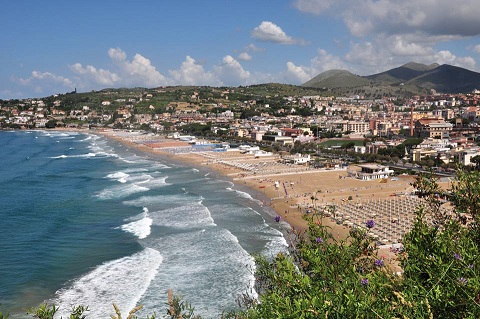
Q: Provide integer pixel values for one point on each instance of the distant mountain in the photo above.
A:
(336, 78)
(403, 73)
(443, 78)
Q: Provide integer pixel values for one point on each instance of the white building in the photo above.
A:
(465, 157)
(371, 172)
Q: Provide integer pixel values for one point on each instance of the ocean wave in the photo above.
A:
(187, 216)
(145, 180)
(121, 191)
(276, 241)
(119, 176)
(122, 281)
(245, 195)
(140, 226)
(88, 155)
(166, 201)
(213, 259)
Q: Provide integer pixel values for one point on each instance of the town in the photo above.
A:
(432, 131)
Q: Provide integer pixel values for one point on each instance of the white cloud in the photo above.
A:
(192, 73)
(313, 6)
(432, 17)
(446, 57)
(42, 82)
(402, 46)
(99, 76)
(47, 76)
(439, 17)
(231, 72)
(477, 48)
(323, 61)
(270, 32)
(244, 56)
(138, 72)
(296, 74)
(253, 48)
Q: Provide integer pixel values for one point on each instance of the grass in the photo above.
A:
(331, 143)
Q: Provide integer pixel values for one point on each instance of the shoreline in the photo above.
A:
(290, 194)
(291, 191)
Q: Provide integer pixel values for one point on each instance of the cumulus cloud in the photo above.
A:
(446, 57)
(323, 61)
(42, 82)
(244, 56)
(138, 72)
(99, 76)
(231, 72)
(363, 17)
(440, 17)
(296, 74)
(46, 76)
(270, 32)
(192, 73)
(399, 31)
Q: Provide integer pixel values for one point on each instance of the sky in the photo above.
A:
(56, 46)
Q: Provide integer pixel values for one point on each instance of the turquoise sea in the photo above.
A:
(84, 220)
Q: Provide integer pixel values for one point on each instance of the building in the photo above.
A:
(465, 156)
(357, 127)
(432, 127)
(297, 159)
(283, 140)
(371, 172)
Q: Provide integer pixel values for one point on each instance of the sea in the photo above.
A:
(85, 220)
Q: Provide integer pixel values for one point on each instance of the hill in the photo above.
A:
(414, 77)
(336, 78)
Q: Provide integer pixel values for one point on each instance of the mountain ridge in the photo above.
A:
(443, 78)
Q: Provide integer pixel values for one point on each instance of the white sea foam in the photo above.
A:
(117, 175)
(121, 191)
(122, 281)
(165, 201)
(88, 155)
(187, 216)
(276, 241)
(141, 226)
(245, 195)
(210, 258)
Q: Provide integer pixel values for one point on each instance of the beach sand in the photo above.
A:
(290, 190)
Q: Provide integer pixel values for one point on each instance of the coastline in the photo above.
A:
(291, 191)
(290, 194)
(265, 194)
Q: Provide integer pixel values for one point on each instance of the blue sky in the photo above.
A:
(54, 46)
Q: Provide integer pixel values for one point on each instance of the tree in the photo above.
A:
(51, 124)
(476, 160)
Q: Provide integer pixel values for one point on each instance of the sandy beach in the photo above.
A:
(295, 190)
